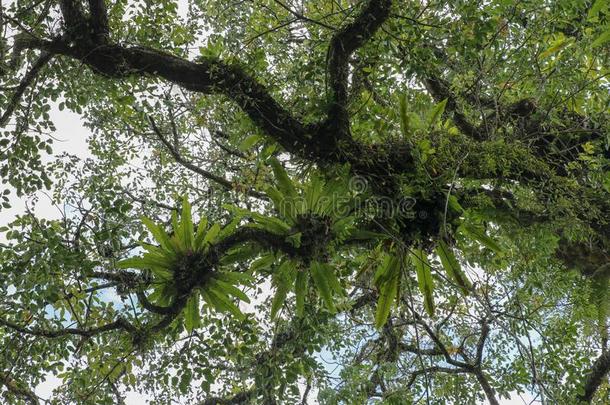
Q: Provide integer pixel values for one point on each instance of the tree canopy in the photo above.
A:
(307, 201)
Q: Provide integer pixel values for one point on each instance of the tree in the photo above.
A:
(415, 192)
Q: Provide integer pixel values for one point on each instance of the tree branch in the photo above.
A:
(17, 389)
(152, 307)
(440, 91)
(120, 323)
(209, 76)
(345, 42)
(99, 20)
(196, 169)
(29, 77)
(599, 370)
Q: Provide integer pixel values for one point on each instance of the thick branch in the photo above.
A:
(434, 369)
(440, 91)
(27, 80)
(99, 20)
(489, 391)
(596, 376)
(155, 308)
(241, 398)
(210, 76)
(73, 15)
(17, 389)
(345, 42)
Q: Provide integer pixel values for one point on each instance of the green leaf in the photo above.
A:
(224, 303)
(424, 278)
(313, 192)
(229, 228)
(361, 234)
(452, 267)
(146, 263)
(601, 300)
(436, 113)
(596, 8)
(294, 239)
(263, 262)
(199, 237)
(387, 294)
(192, 317)
(283, 204)
(247, 143)
(269, 224)
(210, 236)
(159, 234)
(234, 277)
(283, 282)
(556, 46)
(602, 39)
(321, 282)
(454, 204)
(404, 116)
(176, 239)
(186, 224)
(230, 289)
(331, 279)
(389, 267)
(300, 289)
(480, 236)
(240, 254)
(283, 181)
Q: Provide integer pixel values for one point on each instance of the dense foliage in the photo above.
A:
(343, 201)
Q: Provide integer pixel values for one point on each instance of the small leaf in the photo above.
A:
(234, 277)
(282, 204)
(146, 263)
(201, 228)
(313, 192)
(210, 236)
(224, 303)
(294, 239)
(328, 272)
(263, 262)
(389, 267)
(555, 47)
(596, 8)
(229, 228)
(270, 224)
(240, 254)
(231, 289)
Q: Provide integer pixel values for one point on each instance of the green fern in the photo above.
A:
(176, 267)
